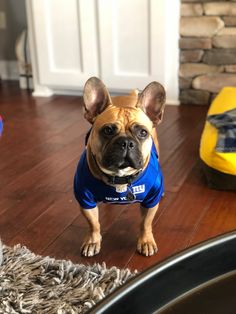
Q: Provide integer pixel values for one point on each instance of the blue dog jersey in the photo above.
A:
(147, 188)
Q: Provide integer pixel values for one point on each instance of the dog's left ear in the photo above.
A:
(96, 98)
(152, 102)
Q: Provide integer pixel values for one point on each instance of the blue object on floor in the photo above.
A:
(1, 125)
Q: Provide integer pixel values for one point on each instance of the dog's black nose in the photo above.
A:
(126, 143)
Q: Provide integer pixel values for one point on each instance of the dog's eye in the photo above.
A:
(140, 131)
(143, 133)
(109, 130)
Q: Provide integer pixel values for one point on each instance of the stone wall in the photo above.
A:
(207, 49)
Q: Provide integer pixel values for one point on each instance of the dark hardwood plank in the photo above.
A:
(6, 203)
(70, 240)
(14, 219)
(22, 137)
(173, 114)
(218, 219)
(177, 133)
(28, 160)
(26, 182)
(177, 168)
(49, 224)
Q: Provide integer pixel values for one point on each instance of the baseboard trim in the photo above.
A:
(44, 91)
(172, 102)
(9, 70)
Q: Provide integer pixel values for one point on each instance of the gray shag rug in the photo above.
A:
(34, 284)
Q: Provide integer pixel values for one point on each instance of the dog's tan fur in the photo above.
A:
(124, 111)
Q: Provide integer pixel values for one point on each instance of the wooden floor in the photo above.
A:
(39, 150)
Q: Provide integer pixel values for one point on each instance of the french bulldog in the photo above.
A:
(120, 163)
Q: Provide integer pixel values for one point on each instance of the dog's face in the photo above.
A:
(120, 139)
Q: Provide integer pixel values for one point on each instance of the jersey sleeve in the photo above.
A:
(83, 195)
(155, 194)
(82, 187)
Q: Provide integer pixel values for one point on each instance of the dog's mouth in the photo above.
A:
(120, 172)
(115, 163)
(128, 163)
(124, 165)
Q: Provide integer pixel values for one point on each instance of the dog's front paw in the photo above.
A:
(147, 245)
(91, 245)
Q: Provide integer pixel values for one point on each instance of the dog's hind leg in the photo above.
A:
(92, 243)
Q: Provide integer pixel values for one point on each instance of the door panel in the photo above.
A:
(128, 34)
(66, 40)
(130, 47)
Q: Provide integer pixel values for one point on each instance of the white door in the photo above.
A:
(127, 43)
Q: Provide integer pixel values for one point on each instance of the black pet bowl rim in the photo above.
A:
(154, 270)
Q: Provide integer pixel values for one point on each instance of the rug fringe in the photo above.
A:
(31, 283)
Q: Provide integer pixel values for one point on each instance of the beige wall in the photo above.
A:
(15, 23)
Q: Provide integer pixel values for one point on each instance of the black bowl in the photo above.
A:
(190, 282)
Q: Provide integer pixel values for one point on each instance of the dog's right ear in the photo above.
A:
(96, 98)
(152, 102)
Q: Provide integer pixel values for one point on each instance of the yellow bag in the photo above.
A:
(219, 161)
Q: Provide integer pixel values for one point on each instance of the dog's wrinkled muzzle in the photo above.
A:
(122, 153)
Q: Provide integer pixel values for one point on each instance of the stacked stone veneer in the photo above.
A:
(207, 49)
